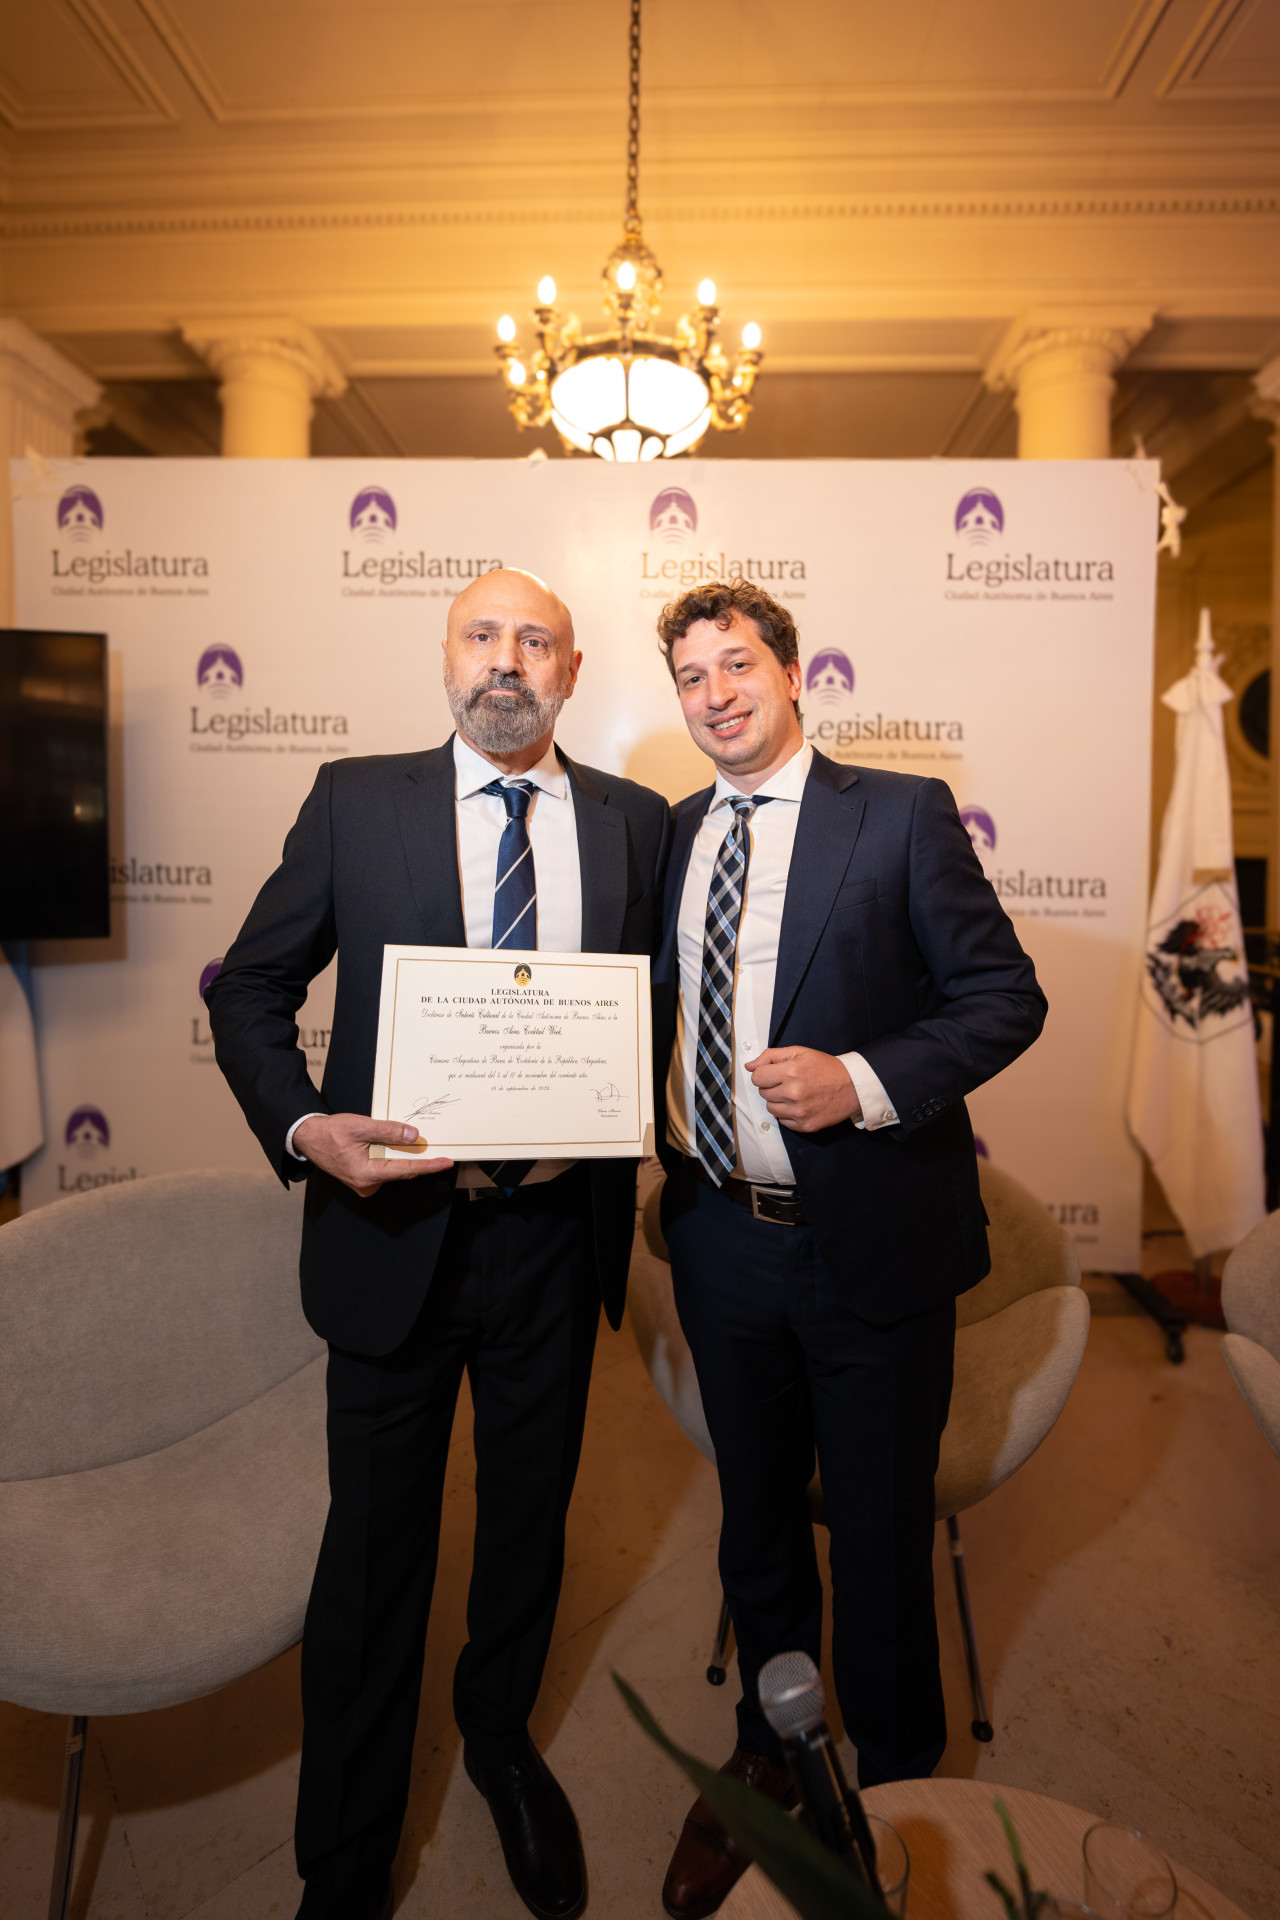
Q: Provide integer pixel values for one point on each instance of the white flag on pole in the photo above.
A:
(1193, 1094)
(21, 1121)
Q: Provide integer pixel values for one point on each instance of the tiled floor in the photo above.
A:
(1127, 1587)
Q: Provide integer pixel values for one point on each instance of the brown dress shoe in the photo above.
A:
(706, 1863)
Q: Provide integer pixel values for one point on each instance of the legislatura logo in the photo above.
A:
(219, 672)
(373, 520)
(87, 1132)
(979, 517)
(81, 518)
(673, 522)
(373, 515)
(981, 829)
(979, 521)
(88, 1136)
(673, 517)
(80, 515)
(219, 676)
(830, 678)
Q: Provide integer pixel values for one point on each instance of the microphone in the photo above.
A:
(791, 1699)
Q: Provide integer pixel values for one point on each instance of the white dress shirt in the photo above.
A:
(553, 836)
(762, 1158)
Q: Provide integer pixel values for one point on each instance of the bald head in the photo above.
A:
(510, 592)
(509, 665)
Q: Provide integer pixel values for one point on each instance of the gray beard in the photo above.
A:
(501, 726)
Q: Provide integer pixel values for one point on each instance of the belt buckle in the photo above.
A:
(764, 1194)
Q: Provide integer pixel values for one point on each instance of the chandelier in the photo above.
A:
(629, 393)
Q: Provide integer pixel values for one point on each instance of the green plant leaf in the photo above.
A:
(816, 1883)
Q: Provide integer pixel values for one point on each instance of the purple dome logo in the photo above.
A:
(373, 515)
(210, 974)
(80, 513)
(673, 516)
(219, 672)
(981, 829)
(980, 1147)
(830, 676)
(979, 517)
(87, 1130)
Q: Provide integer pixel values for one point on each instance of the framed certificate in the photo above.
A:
(515, 1055)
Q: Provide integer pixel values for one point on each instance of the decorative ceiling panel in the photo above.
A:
(65, 65)
(287, 60)
(1233, 54)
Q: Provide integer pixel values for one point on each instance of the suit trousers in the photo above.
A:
(515, 1302)
(786, 1370)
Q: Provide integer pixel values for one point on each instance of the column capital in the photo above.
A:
(46, 377)
(1265, 398)
(227, 341)
(1093, 339)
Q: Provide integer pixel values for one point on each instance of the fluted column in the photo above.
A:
(1266, 403)
(1060, 365)
(42, 396)
(272, 372)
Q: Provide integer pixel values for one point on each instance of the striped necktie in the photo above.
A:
(713, 1072)
(515, 917)
(515, 891)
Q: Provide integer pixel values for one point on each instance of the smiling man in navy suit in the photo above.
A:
(835, 975)
(418, 1271)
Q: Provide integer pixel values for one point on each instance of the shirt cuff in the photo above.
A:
(877, 1108)
(317, 1115)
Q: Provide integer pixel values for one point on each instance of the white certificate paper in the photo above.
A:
(515, 1055)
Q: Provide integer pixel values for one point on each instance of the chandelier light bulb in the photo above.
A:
(751, 336)
(516, 374)
(506, 328)
(546, 291)
(706, 293)
(626, 277)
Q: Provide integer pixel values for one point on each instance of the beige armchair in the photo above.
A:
(1251, 1308)
(1020, 1338)
(163, 1483)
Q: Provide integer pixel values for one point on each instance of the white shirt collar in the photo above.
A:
(786, 784)
(473, 771)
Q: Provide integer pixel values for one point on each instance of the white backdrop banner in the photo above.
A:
(989, 623)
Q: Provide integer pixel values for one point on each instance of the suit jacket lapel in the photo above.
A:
(831, 813)
(686, 833)
(425, 807)
(602, 861)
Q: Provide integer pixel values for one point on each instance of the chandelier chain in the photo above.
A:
(631, 221)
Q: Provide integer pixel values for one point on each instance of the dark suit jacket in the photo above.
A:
(893, 945)
(372, 861)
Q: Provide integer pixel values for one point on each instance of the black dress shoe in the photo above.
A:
(540, 1840)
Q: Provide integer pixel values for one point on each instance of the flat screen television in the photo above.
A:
(55, 876)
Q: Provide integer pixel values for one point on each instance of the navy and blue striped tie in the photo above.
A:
(515, 892)
(515, 917)
(713, 1073)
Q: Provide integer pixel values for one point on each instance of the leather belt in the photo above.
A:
(781, 1205)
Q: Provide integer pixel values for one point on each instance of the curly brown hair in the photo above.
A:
(718, 601)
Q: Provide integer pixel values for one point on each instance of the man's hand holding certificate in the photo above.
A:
(514, 1055)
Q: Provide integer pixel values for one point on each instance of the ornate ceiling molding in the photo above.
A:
(105, 224)
(145, 103)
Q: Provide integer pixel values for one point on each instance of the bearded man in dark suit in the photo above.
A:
(835, 975)
(416, 1270)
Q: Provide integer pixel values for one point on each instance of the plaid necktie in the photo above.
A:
(515, 917)
(713, 1072)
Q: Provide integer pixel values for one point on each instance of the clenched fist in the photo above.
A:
(804, 1089)
(340, 1142)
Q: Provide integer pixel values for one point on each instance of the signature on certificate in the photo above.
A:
(432, 1106)
(608, 1092)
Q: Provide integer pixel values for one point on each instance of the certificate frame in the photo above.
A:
(512, 1006)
